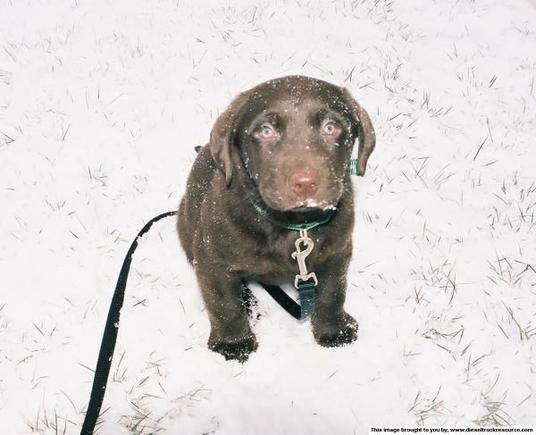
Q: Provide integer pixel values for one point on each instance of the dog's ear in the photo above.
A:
(366, 134)
(222, 136)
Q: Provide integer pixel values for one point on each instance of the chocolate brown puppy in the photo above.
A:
(277, 157)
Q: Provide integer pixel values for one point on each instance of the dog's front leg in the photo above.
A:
(230, 333)
(332, 326)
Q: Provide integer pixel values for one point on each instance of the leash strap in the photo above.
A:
(109, 337)
(306, 290)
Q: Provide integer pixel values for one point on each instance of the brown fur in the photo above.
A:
(227, 240)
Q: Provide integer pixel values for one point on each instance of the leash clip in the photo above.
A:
(300, 255)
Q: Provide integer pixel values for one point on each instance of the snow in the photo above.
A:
(101, 104)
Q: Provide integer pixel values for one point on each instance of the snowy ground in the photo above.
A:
(101, 104)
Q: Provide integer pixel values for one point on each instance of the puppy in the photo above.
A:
(277, 158)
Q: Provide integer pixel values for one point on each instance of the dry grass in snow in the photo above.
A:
(101, 104)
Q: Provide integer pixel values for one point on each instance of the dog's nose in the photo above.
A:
(304, 183)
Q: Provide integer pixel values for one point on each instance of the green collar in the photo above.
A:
(352, 167)
(263, 211)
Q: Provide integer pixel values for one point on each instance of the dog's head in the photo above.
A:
(294, 138)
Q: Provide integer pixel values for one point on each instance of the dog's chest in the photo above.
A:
(272, 260)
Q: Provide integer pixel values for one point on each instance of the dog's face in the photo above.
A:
(295, 144)
(294, 137)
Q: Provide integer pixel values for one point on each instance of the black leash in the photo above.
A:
(306, 291)
(109, 337)
(307, 298)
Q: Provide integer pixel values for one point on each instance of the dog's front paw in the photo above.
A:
(337, 334)
(238, 350)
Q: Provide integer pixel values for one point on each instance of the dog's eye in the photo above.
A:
(330, 128)
(265, 132)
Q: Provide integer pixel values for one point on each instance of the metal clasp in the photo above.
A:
(300, 255)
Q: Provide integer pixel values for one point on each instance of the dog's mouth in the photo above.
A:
(312, 204)
(288, 209)
(300, 212)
